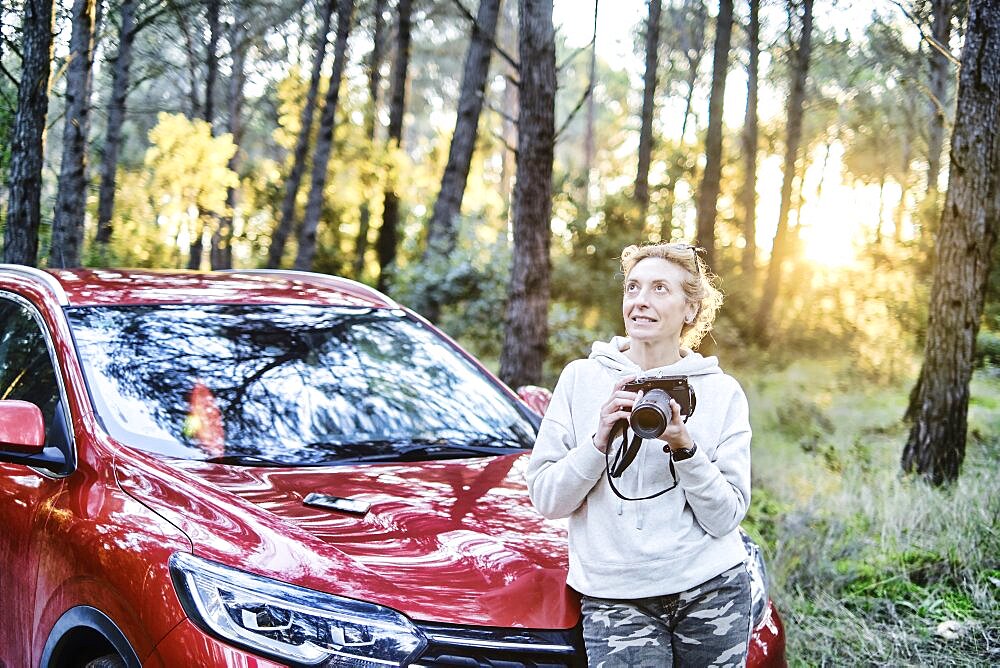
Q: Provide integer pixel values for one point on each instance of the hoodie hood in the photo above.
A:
(611, 355)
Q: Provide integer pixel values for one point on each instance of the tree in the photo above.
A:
(442, 229)
(940, 66)
(939, 402)
(116, 119)
(388, 236)
(686, 46)
(207, 113)
(286, 223)
(71, 200)
(24, 206)
(748, 139)
(648, 109)
(526, 320)
(796, 105)
(708, 195)
(324, 140)
(221, 256)
(374, 82)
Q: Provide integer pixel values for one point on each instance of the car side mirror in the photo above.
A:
(22, 427)
(537, 398)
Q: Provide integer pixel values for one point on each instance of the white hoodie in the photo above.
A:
(633, 549)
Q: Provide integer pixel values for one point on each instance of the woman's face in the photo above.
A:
(654, 305)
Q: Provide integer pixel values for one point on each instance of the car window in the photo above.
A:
(289, 384)
(26, 370)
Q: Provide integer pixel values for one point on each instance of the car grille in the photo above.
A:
(487, 647)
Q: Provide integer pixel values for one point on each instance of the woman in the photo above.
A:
(662, 579)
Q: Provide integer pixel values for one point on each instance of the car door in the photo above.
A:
(27, 373)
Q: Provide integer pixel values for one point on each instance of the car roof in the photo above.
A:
(106, 287)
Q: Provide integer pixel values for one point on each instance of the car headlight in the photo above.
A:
(758, 580)
(290, 623)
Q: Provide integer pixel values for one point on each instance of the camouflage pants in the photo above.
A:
(708, 625)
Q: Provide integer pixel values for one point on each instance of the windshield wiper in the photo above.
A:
(418, 452)
(248, 460)
(407, 450)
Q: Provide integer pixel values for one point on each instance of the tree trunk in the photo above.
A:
(748, 197)
(796, 104)
(27, 135)
(71, 200)
(676, 166)
(374, 81)
(222, 241)
(116, 118)
(588, 136)
(708, 196)
(939, 405)
(388, 236)
(324, 141)
(526, 323)
(511, 106)
(940, 71)
(442, 232)
(648, 110)
(208, 220)
(294, 181)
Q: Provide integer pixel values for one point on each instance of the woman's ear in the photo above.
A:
(691, 313)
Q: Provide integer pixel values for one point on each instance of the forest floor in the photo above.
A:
(870, 567)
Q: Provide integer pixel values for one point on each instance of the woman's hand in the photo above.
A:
(676, 434)
(618, 407)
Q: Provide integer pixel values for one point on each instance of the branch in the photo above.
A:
(576, 109)
(503, 140)
(503, 114)
(496, 47)
(941, 48)
(566, 61)
(10, 76)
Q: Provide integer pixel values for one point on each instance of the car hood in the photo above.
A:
(453, 541)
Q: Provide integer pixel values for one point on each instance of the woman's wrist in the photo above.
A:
(679, 454)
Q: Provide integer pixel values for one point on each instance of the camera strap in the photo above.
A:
(624, 456)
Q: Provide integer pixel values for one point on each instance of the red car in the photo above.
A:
(267, 468)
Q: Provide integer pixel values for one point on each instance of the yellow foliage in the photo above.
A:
(188, 166)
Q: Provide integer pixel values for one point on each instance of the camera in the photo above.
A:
(651, 414)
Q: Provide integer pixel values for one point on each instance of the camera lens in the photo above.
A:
(651, 414)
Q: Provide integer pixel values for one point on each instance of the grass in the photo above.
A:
(870, 567)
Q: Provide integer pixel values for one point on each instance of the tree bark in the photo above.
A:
(324, 140)
(748, 196)
(648, 110)
(939, 405)
(526, 321)
(708, 195)
(510, 110)
(693, 53)
(28, 134)
(208, 220)
(442, 230)
(589, 149)
(71, 199)
(294, 181)
(796, 104)
(116, 118)
(222, 241)
(940, 71)
(374, 82)
(388, 236)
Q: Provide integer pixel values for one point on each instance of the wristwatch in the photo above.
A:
(680, 454)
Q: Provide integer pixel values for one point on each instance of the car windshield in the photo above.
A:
(289, 385)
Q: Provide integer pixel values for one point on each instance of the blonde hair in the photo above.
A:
(699, 286)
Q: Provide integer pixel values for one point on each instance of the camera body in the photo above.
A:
(651, 414)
